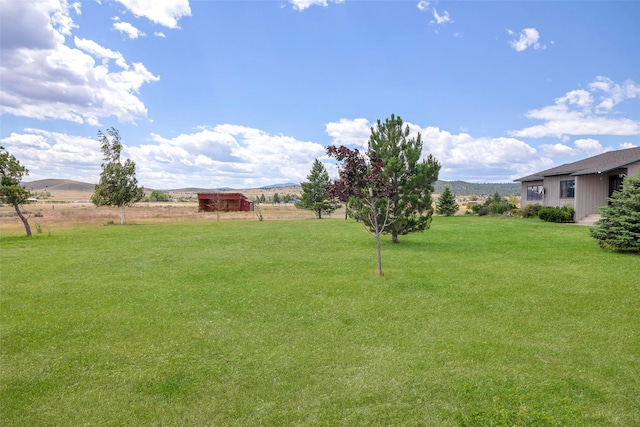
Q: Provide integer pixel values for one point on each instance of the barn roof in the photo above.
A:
(222, 196)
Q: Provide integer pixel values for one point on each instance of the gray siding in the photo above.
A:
(523, 194)
(591, 191)
(633, 169)
(552, 191)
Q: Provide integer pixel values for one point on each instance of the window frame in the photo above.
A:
(568, 189)
(535, 192)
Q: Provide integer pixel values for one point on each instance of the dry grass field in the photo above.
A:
(48, 217)
(69, 206)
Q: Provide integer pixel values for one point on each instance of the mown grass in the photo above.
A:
(479, 321)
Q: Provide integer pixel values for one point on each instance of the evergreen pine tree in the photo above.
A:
(619, 226)
(314, 192)
(410, 179)
(447, 205)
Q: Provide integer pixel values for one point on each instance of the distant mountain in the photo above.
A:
(53, 185)
(198, 190)
(463, 188)
(288, 184)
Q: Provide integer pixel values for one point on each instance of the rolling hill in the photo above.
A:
(59, 186)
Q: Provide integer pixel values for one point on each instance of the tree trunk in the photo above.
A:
(394, 237)
(27, 228)
(122, 215)
(376, 226)
(379, 253)
(319, 214)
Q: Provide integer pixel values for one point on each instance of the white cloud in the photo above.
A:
(163, 12)
(33, 25)
(558, 150)
(101, 52)
(56, 155)
(225, 155)
(159, 34)
(462, 155)
(583, 146)
(529, 37)
(441, 19)
(611, 93)
(445, 18)
(349, 132)
(479, 159)
(579, 97)
(128, 29)
(44, 78)
(590, 146)
(304, 4)
(575, 113)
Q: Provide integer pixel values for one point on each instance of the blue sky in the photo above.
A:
(248, 93)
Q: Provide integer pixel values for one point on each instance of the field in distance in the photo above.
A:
(69, 206)
(71, 191)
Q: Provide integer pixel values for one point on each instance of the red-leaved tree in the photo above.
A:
(361, 179)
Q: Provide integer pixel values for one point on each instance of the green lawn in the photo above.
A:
(479, 321)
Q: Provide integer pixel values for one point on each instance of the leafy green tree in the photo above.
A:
(118, 185)
(410, 180)
(447, 205)
(619, 225)
(314, 195)
(11, 192)
(276, 198)
(158, 196)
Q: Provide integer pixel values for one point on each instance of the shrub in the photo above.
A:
(556, 214)
(499, 207)
(530, 210)
(495, 205)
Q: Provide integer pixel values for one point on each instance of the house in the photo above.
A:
(585, 185)
(224, 202)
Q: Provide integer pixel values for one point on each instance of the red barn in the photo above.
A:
(224, 202)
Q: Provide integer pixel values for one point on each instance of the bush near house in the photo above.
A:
(530, 210)
(556, 214)
(496, 205)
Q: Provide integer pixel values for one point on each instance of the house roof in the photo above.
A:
(601, 163)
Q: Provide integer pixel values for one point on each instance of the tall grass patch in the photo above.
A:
(478, 321)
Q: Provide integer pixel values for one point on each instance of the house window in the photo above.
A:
(535, 192)
(567, 189)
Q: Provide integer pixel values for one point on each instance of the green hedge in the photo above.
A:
(556, 214)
